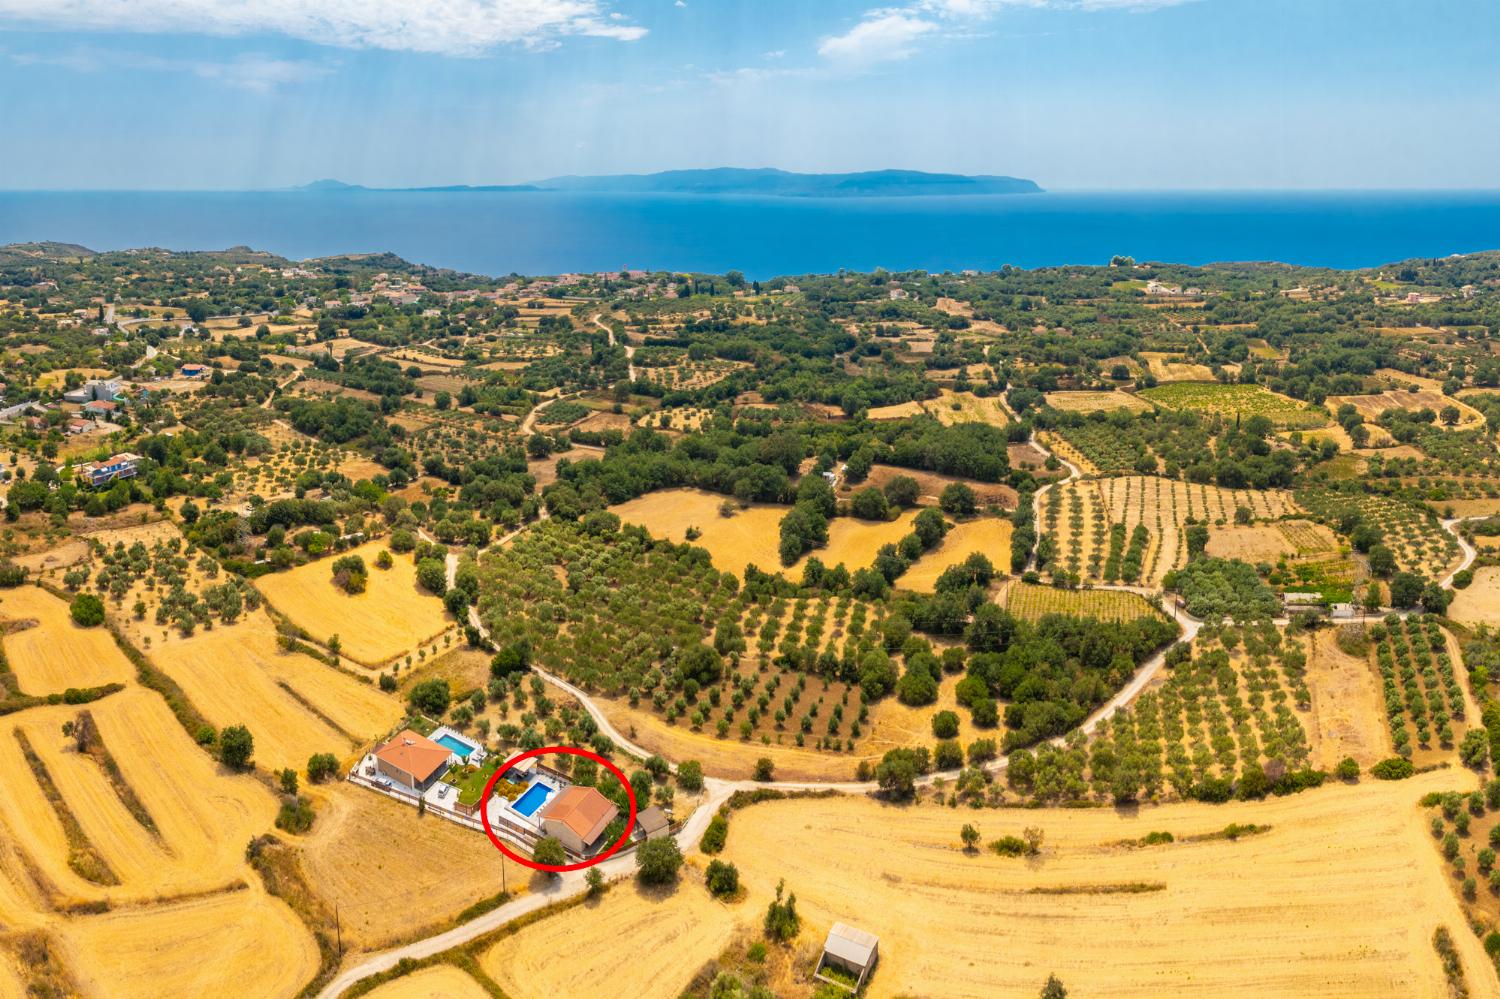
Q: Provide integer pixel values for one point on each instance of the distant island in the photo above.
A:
(733, 180)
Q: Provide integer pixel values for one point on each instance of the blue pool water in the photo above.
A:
(457, 745)
(528, 803)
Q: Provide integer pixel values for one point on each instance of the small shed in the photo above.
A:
(851, 951)
(653, 823)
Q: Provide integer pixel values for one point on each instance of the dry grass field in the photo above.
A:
(853, 542)
(1251, 542)
(392, 872)
(1371, 406)
(390, 618)
(1093, 402)
(989, 536)
(748, 536)
(932, 484)
(1339, 898)
(639, 944)
(1348, 707)
(948, 408)
(1171, 368)
(54, 653)
(266, 688)
(199, 947)
(1479, 602)
(442, 981)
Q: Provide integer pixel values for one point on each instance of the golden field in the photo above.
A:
(1094, 402)
(747, 537)
(442, 981)
(989, 536)
(1479, 602)
(55, 653)
(389, 619)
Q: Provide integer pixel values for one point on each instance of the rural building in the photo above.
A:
(577, 817)
(79, 426)
(853, 952)
(192, 371)
(413, 761)
(98, 389)
(101, 408)
(653, 823)
(1292, 602)
(102, 473)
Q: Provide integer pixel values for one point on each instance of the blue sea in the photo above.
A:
(549, 233)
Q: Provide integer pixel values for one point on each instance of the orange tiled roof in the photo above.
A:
(414, 754)
(583, 810)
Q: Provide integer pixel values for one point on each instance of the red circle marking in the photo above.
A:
(489, 789)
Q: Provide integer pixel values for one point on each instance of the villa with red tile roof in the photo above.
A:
(413, 761)
(577, 816)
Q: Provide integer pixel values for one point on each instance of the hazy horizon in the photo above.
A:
(1078, 95)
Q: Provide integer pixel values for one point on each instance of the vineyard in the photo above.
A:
(1237, 401)
(1031, 601)
(1412, 531)
(1423, 698)
(1085, 520)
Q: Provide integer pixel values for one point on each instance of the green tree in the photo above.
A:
(722, 878)
(430, 697)
(970, 836)
(658, 861)
(1053, 989)
(782, 922)
(236, 747)
(549, 851)
(87, 610)
(690, 776)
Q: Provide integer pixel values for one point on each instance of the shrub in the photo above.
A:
(782, 922)
(716, 834)
(549, 851)
(765, 769)
(87, 610)
(430, 697)
(1394, 768)
(350, 574)
(945, 724)
(722, 878)
(1347, 770)
(321, 766)
(689, 775)
(296, 816)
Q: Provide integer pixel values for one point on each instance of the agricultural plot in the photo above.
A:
(191, 948)
(988, 536)
(1347, 718)
(645, 944)
(1097, 402)
(686, 376)
(1412, 532)
(1479, 602)
(1172, 368)
(1071, 453)
(1227, 708)
(1371, 406)
(1237, 401)
(948, 408)
(1031, 602)
(682, 419)
(1344, 850)
(1102, 447)
(294, 705)
(360, 855)
(48, 652)
(744, 537)
(1424, 699)
(392, 617)
(442, 981)
(853, 542)
(1082, 517)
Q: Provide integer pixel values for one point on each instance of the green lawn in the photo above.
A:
(470, 781)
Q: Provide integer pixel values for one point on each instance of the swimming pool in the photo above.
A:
(457, 745)
(528, 803)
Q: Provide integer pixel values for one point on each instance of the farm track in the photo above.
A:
(717, 791)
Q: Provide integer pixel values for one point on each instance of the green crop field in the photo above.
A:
(1237, 400)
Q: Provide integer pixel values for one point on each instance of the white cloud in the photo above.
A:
(446, 27)
(890, 33)
(880, 37)
(251, 71)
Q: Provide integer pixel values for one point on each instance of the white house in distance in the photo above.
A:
(98, 389)
(577, 816)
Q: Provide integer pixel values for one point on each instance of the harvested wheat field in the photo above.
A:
(392, 617)
(639, 944)
(1094, 402)
(989, 536)
(55, 653)
(748, 536)
(1340, 897)
(192, 948)
(966, 407)
(361, 854)
(1251, 542)
(11, 986)
(442, 981)
(1348, 708)
(931, 486)
(268, 691)
(1171, 368)
(899, 411)
(203, 817)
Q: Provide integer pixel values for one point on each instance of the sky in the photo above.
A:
(1075, 94)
